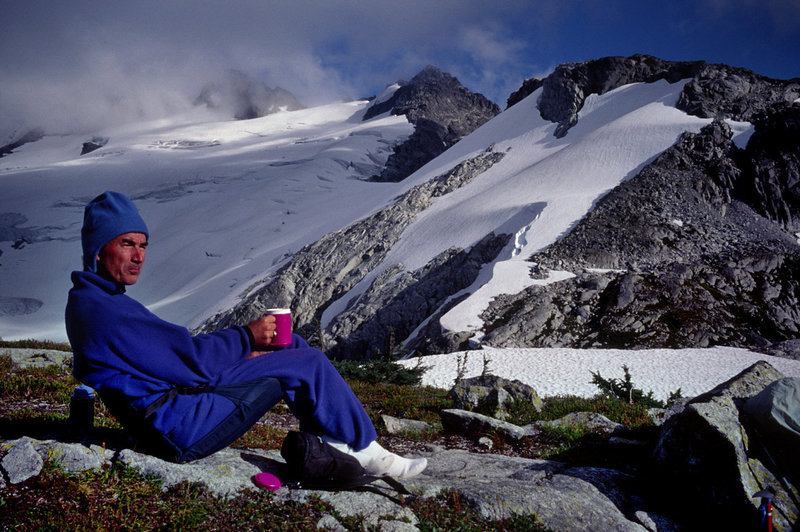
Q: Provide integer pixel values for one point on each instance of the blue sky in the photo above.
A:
(84, 63)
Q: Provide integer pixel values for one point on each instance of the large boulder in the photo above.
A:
(717, 463)
(489, 394)
(774, 416)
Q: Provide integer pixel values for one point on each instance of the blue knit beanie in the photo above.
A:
(105, 218)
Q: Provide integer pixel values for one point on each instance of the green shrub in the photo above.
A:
(521, 412)
(411, 402)
(618, 411)
(379, 371)
(624, 390)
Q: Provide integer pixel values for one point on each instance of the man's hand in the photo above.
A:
(263, 330)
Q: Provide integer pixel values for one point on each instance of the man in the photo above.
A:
(184, 396)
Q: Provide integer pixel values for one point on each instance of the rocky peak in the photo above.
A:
(714, 90)
(442, 111)
(735, 93)
(565, 90)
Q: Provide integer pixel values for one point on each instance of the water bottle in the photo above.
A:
(81, 408)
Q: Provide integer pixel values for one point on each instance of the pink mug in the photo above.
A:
(283, 323)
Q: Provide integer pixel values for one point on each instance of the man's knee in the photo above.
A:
(314, 357)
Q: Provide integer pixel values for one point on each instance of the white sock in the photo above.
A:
(378, 461)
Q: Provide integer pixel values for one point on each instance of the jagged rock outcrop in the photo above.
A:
(714, 90)
(324, 271)
(95, 144)
(710, 261)
(735, 93)
(442, 111)
(771, 163)
(246, 97)
(565, 90)
(395, 305)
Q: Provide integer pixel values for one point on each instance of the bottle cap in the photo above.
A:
(83, 391)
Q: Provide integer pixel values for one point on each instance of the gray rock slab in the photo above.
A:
(225, 473)
(465, 422)
(400, 426)
(22, 461)
(375, 508)
(587, 420)
(74, 458)
(37, 358)
(501, 486)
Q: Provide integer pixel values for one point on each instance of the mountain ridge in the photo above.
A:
(529, 321)
(362, 297)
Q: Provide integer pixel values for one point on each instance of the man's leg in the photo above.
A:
(314, 391)
(326, 406)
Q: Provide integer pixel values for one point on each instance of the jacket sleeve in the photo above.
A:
(113, 334)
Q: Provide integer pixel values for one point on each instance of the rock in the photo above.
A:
(37, 358)
(787, 349)
(21, 461)
(470, 423)
(561, 497)
(224, 473)
(31, 135)
(772, 163)
(442, 111)
(330, 523)
(706, 454)
(590, 421)
(661, 415)
(395, 425)
(374, 508)
(489, 394)
(75, 458)
(773, 415)
(565, 90)
(95, 144)
(735, 93)
(485, 442)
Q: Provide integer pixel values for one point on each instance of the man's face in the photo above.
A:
(121, 259)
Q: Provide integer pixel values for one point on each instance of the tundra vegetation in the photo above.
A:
(36, 402)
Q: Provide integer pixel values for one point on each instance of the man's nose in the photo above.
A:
(138, 255)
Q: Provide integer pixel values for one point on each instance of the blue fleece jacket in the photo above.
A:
(119, 344)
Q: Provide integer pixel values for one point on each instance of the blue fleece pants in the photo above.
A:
(312, 388)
